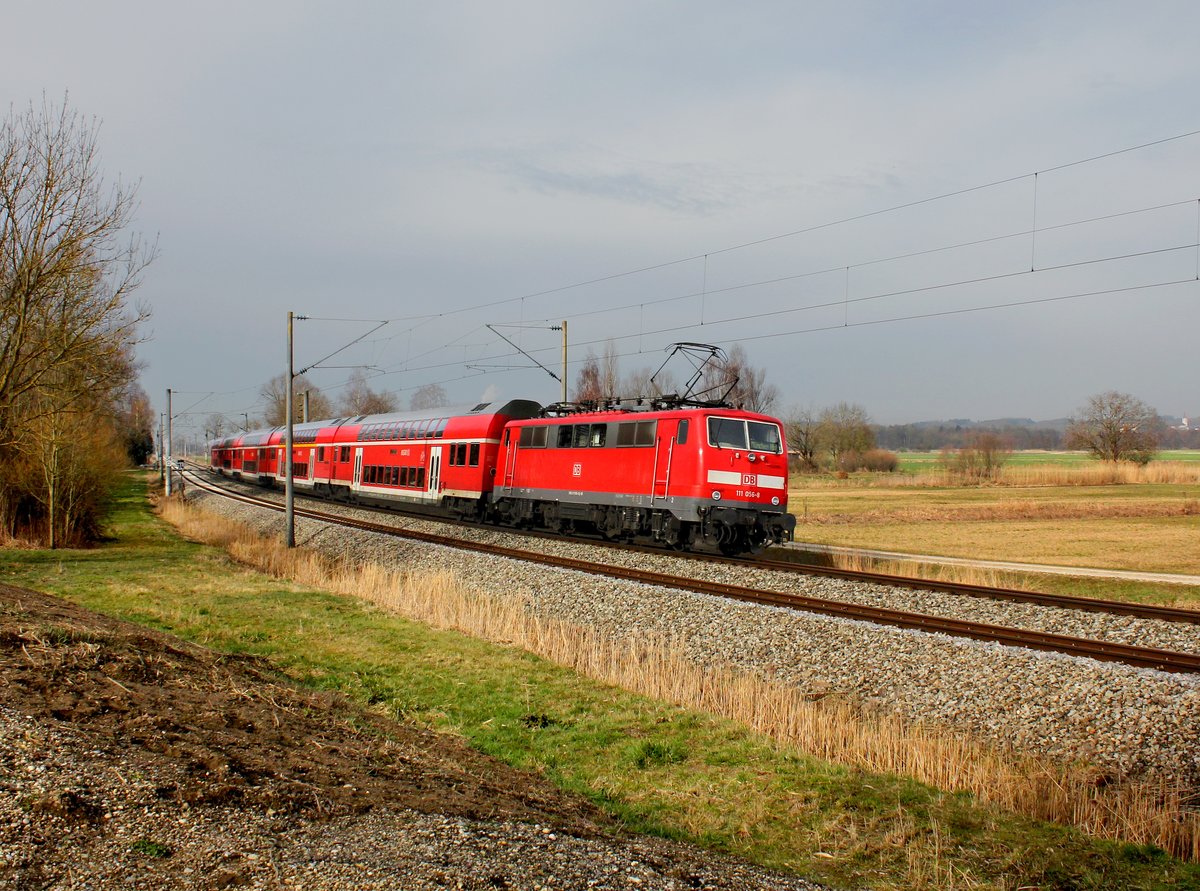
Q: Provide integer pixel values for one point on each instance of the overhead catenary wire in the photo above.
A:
(837, 301)
(1034, 231)
(907, 205)
(704, 292)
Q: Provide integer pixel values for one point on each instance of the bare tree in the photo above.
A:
(274, 392)
(135, 424)
(588, 387)
(802, 426)
(638, 383)
(746, 385)
(610, 371)
(360, 399)
(844, 430)
(981, 458)
(1116, 426)
(67, 268)
(215, 426)
(428, 396)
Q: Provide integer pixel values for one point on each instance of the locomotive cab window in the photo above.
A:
(764, 437)
(727, 433)
(681, 433)
(637, 433)
(474, 454)
(533, 437)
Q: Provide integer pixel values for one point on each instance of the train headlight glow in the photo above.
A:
(716, 495)
(775, 499)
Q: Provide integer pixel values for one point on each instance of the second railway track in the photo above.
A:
(1139, 656)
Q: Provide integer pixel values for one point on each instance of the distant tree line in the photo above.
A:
(1111, 426)
(927, 437)
(357, 398)
(839, 438)
(71, 412)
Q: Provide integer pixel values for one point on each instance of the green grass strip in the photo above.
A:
(661, 769)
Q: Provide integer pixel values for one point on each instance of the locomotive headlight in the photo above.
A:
(716, 495)
(775, 500)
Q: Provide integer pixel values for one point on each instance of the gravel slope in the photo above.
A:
(1127, 720)
(132, 760)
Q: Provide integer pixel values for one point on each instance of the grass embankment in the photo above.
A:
(679, 772)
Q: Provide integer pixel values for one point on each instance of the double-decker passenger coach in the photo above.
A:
(673, 473)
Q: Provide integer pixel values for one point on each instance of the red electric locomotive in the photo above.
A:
(687, 477)
(683, 476)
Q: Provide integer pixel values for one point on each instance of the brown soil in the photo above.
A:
(175, 730)
(243, 734)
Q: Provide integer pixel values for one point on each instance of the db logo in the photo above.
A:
(749, 479)
(577, 470)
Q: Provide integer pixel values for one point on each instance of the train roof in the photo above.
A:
(515, 408)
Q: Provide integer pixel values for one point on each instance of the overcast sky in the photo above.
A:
(452, 165)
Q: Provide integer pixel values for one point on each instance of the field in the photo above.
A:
(678, 772)
(1073, 518)
(916, 462)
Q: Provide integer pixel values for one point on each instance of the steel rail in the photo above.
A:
(1129, 654)
(796, 567)
(1066, 601)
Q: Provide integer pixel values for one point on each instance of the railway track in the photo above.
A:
(797, 567)
(1144, 657)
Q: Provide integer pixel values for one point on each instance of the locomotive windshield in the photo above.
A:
(727, 433)
(764, 437)
(734, 433)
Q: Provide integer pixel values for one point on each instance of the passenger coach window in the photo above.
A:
(764, 437)
(474, 454)
(727, 433)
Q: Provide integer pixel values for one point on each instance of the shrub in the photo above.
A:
(881, 461)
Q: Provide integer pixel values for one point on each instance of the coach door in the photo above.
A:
(510, 458)
(356, 480)
(664, 450)
(435, 469)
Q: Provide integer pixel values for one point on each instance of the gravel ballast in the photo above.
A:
(1126, 720)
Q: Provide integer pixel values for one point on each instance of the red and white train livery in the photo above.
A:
(702, 478)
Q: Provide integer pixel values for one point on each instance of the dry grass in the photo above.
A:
(1093, 474)
(1017, 510)
(1101, 474)
(1145, 811)
(937, 572)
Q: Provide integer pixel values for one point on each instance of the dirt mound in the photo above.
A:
(131, 759)
(240, 732)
